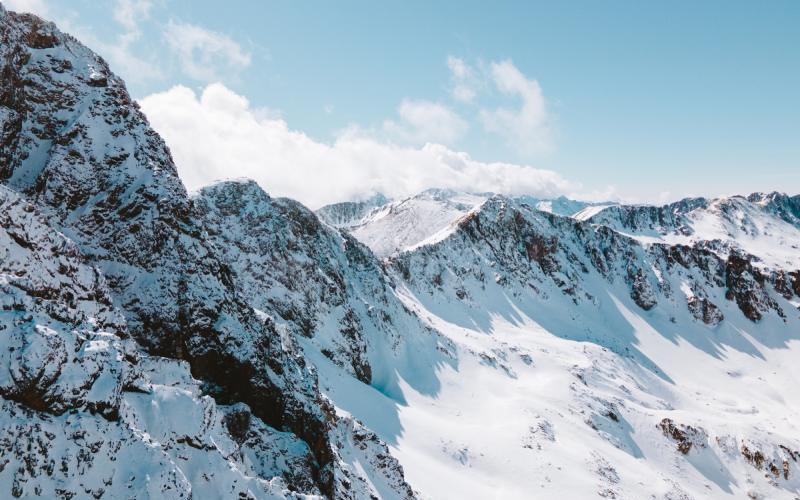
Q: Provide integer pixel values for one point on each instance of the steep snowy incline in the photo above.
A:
(764, 225)
(590, 365)
(414, 221)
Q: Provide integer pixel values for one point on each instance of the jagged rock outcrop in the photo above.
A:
(746, 286)
(521, 248)
(765, 226)
(317, 282)
(784, 206)
(642, 218)
(76, 145)
(63, 345)
(508, 241)
(685, 436)
(787, 283)
(83, 412)
(704, 310)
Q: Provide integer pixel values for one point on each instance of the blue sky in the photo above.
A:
(644, 101)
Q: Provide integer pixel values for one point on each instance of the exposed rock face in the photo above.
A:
(765, 226)
(81, 405)
(641, 291)
(777, 461)
(785, 207)
(76, 145)
(642, 218)
(554, 244)
(290, 266)
(316, 282)
(787, 283)
(746, 287)
(519, 244)
(63, 345)
(679, 217)
(705, 311)
(685, 436)
(506, 248)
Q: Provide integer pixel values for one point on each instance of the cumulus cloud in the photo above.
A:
(527, 128)
(425, 121)
(203, 54)
(218, 134)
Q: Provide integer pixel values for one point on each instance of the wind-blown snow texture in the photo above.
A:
(450, 345)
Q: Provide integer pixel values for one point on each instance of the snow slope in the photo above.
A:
(561, 205)
(631, 394)
(414, 221)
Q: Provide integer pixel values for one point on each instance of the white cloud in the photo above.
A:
(219, 135)
(203, 54)
(526, 128)
(463, 80)
(38, 7)
(425, 121)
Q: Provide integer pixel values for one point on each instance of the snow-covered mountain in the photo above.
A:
(78, 148)
(348, 214)
(405, 224)
(603, 366)
(766, 226)
(228, 344)
(562, 205)
(389, 228)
